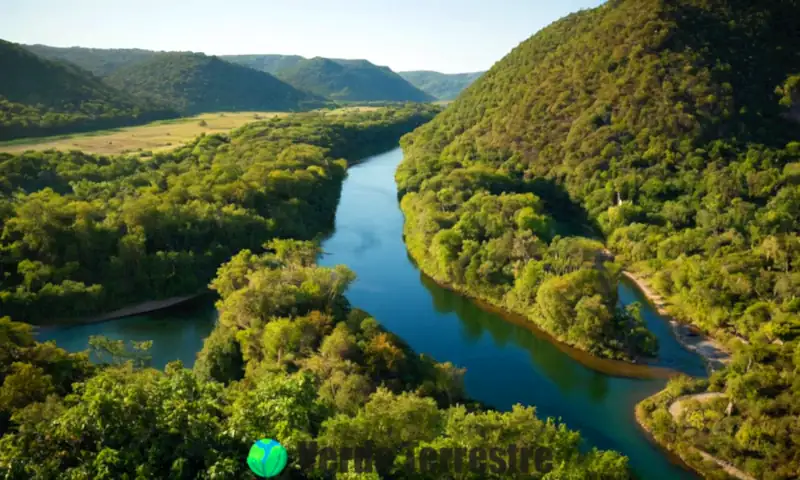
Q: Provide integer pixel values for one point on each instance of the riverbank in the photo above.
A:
(713, 352)
(670, 403)
(617, 368)
(716, 356)
(140, 308)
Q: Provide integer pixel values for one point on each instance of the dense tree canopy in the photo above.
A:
(670, 126)
(314, 369)
(99, 61)
(443, 86)
(194, 83)
(351, 80)
(83, 233)
(336, 79)
(43, 97)
(270, 63)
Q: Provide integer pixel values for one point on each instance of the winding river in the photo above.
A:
(506, 361)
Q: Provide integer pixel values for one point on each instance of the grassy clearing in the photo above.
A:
(353, 109)
(156, 136)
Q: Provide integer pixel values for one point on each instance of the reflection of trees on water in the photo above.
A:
(562, 370)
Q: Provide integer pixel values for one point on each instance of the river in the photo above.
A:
(506, 363)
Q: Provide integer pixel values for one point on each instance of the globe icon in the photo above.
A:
(267, 458)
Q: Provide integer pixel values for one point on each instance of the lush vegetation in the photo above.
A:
(99, 61)
(83, 234)
(40, 97)
(160, 75)
(289, 360)
(351, 80)
(752, 424)
(194, 83)
(670, 126)
(444, 86)
(265, 63)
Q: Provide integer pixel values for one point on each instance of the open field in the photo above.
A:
(353, 109)
(156, 136)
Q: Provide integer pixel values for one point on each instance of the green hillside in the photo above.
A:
(42, 97)
(265, 63)
(669, 125)
(351, 80)
(185, 211)
(194, 83)
(99, 61)
(444, 86)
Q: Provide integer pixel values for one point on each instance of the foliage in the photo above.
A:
(45, 97)
(316, 369)
(351, 80)
(193, 83)
(83, 234)
(266, 63)
(99, 61)
(443, 86)
(670, 125)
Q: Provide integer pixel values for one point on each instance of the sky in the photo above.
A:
(449, 36)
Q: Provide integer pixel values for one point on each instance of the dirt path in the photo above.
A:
(729, 469)
(676, 409)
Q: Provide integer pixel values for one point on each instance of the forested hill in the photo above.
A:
(668, 123)
(444, 86)
(266, 63)
(99, 61)
(43, 97)
(193, 83)
(125, 229)
(344, 80)
(351, 80)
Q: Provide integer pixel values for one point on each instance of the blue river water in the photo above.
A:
(506, 362)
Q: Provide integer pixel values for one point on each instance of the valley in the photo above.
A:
(586, 247)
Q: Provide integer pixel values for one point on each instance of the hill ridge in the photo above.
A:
(195, 83)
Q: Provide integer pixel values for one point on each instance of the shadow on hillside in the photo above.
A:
(745, 39)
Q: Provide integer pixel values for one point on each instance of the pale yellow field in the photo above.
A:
(154, 137)
(354, 109)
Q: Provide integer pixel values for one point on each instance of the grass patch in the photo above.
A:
(156, 136)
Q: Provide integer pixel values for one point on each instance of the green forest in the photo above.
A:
(443, 86)
(45, 97)
(161, 74)
(667, 133)
(290, 359)
(193, 83)
(351, 81)
(653, 138)
(84, 234)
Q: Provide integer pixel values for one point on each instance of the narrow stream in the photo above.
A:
(506, 362)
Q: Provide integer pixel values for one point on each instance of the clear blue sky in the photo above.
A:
(445, 35)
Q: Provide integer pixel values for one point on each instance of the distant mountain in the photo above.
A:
(99, 61)
(193, 83)
(266, 63)
(337, 79)
(44, 97)
(444, 86)
(351, 80)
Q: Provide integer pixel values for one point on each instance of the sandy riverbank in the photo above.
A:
(715, 354)
(130, 310)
